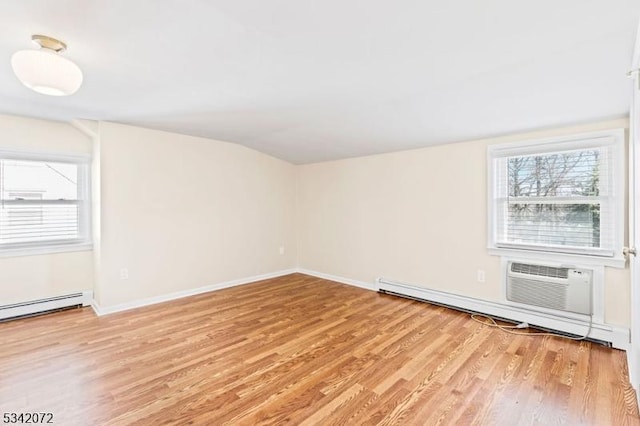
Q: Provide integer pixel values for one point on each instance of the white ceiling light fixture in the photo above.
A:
(45, 70)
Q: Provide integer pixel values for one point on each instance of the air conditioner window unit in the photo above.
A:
(559, 288)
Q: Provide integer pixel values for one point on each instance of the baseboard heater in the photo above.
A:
(42, 306)
(600, 333)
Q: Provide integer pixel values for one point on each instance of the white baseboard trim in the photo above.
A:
(616, 335)
(106, 310)
(348, 281)
(32, 307)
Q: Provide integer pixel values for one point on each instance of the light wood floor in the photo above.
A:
(302, 350)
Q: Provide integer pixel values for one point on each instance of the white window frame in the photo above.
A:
(615, 140)
(84, 242)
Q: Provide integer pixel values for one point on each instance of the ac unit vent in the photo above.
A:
(540, 270)
(538, 293)
(563, 289)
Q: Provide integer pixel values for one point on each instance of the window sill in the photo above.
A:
(44, 249)
(564, 258)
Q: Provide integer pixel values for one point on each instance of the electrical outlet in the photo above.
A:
(124, 274)
(281, 249)
(481, 276)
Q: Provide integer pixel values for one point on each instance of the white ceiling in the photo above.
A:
(314, 80)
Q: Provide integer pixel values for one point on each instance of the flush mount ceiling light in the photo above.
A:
(45, 70)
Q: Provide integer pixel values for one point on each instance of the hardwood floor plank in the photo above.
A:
(302, 350)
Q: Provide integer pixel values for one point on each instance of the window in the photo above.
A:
(559, 196)
(44, 202)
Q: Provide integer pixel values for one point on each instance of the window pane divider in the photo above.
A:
(40, 202)
(556, 200)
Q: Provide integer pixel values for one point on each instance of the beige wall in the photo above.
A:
(25, 278)
(182, 212)
(416, 216)
(42, 135)
(41, 276)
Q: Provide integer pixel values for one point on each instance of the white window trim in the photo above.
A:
(82, 244)
(616, 138)
(46, 249)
